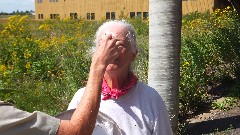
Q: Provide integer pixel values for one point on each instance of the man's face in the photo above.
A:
(126, 57)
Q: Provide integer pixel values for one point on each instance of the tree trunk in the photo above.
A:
(165, 17)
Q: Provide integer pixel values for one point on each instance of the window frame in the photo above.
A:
(139, 15)
(132, 15)
(145, 15)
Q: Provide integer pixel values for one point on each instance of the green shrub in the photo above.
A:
(210, 54)
(43, 63)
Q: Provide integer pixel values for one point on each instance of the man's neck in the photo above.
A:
(115, 80)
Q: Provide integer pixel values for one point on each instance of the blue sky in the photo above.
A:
(14, 5)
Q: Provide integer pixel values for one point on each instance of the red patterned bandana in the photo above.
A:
(109, 93)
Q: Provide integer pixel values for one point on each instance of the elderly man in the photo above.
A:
(136, 108)
(17, 122)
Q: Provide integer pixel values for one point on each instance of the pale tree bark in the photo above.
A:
(165, 17)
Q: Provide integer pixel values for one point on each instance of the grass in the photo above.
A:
(3, 21)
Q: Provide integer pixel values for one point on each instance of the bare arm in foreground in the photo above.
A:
(84, 118)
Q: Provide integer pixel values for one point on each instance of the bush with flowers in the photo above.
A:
(210, 55)
(43, 63)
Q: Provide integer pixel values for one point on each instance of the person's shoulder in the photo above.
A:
(80, 91)
(146, 89)
(2, 102)
(5, 103)
(78, 95)
(150, 97)
(76, 98)
(149, 92)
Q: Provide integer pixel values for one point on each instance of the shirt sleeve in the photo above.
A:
(17, 122)
(162, 124)
(159, 117)
(76, 99)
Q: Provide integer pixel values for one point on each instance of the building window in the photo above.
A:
(73, 15)
(132, 14)
(53, 0)
(107, 15)
(40, 1)
(90, 16)
(139, 15)
(145, 15)
(40, 16)
(112, 15)
(54, 16)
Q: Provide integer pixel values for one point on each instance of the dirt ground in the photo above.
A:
(3, 20)
(214, 122)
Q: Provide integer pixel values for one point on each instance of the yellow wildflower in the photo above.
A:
(14, 54)
(12, 18)
(66, 19)
(28, 65)
(23, 19)
(185, 64)
(44, 27)
(4, 32)
(5, 73)
(27, 54)
(2, 68)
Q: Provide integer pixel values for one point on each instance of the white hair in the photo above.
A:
(131, 32)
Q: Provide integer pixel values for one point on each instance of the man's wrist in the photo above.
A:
(98, 67)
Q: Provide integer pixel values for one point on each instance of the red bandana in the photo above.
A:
(108, 93)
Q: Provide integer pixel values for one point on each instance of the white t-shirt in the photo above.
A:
(140, 112)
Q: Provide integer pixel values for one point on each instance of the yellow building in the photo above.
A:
(106, 9)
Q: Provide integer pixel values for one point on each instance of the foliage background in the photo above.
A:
(43, 63)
